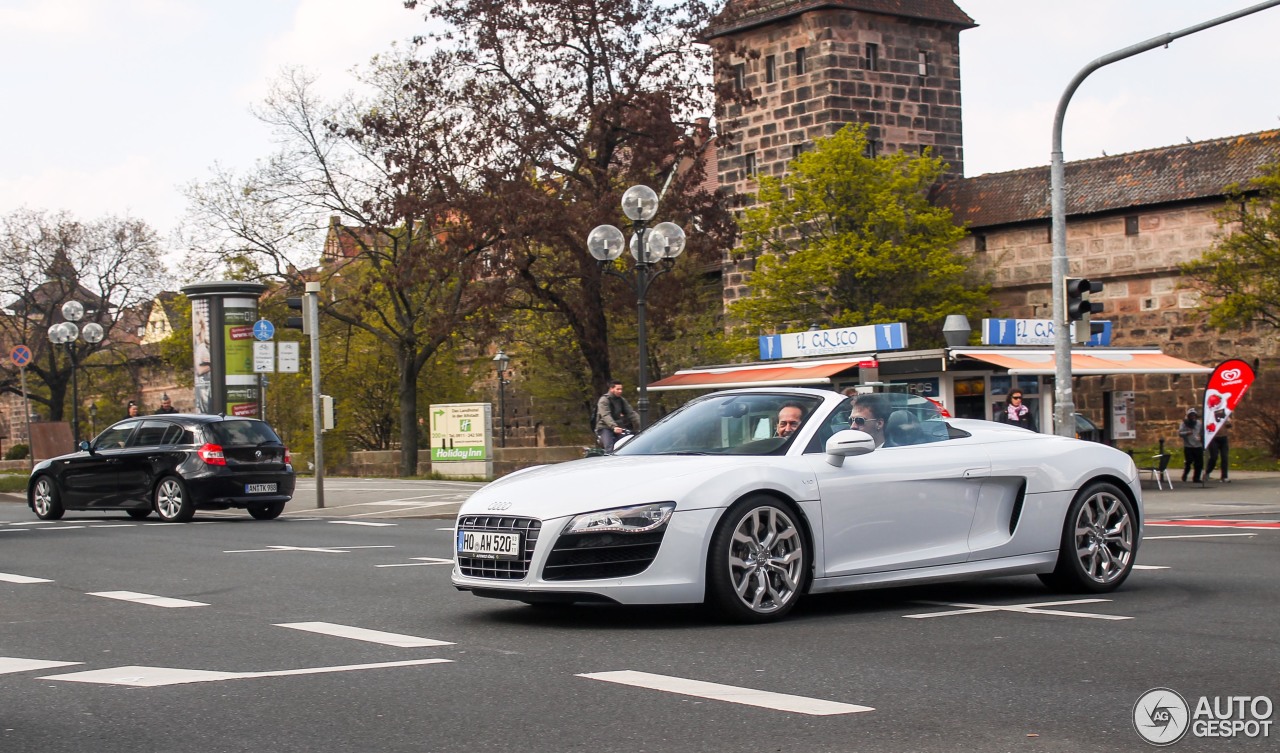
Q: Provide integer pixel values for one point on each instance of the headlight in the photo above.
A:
(623, 519)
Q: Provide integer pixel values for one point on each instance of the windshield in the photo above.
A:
(750, 424)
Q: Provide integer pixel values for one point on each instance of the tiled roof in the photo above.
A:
(744, 14)
(1156, 176)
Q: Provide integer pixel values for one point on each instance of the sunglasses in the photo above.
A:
(1015, 397)
(859, 421)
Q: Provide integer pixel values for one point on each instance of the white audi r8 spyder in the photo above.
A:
(710, 504)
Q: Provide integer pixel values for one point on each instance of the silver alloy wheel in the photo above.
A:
(766, 557)
(1104, 537)
(42, 496)
(169, 498)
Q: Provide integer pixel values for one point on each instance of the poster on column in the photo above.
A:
(1122, 413)
(1227, 385)
(238, 316)
(201, 350)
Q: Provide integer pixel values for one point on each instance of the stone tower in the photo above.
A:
(813, 66)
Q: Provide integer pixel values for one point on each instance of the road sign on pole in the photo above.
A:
(264, 357)
(263, 330)
(20, 355)
(288, 357)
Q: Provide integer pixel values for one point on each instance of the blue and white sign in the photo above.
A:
(1033, 332)
(825, 342)
(264, 330)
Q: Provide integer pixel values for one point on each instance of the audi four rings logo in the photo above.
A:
(500, 505)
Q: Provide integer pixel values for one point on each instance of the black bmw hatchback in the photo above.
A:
(171, 465)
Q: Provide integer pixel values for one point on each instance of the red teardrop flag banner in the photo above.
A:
(1227, 385)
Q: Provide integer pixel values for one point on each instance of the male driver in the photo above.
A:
(789, 418)
(614, 416)
(869, 414)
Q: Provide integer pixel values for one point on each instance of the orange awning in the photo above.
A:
(798, 374)
(1094, 361)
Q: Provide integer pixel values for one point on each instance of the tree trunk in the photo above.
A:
(408, 383)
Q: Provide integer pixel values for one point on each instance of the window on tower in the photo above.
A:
(873, 56)
(800, 61)
(770, 69)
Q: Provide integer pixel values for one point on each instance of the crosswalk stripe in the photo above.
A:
(11, 578)
(11, 664)
(155, 601)
(728, 693)
(362, 634)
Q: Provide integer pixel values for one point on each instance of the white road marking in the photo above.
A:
(728, 693)
(407, 509)
(425, 561)
(117, 525)
(360, 523)
(450, 528)
(59, 528)
(321, 549)
(361, 634)
(11, 578)
(165, 524)
(1198, 536)
(155, 601)
(1020, 608)
(34, 523)
(154, 677)
(1150, 567)
(11, 664)
(15, 530)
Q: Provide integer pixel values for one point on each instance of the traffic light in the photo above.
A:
(1079, 307)
(296, 322)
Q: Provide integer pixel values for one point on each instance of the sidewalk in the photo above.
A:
(1249, 493)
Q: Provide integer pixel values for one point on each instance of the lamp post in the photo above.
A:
(654, 250)
(93, 419)
(66, 333)
(500, 362)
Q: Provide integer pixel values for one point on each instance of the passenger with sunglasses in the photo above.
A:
(870, 412)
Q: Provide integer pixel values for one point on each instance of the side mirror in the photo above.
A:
(623, 441)
(84, 445)
(848, 443)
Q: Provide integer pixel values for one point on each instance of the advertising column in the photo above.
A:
(222, 317)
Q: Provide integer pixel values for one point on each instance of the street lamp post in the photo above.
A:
(500, 362)
(93, 419)
(654, 249)
(65, 333)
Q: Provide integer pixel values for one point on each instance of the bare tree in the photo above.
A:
(111, 265)
(398, 169)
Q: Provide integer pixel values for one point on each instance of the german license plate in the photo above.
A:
(489, 545)
(259, 488)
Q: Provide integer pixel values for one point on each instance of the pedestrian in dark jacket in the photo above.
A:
(1014, 412)
(1192, 433)
(614, 416)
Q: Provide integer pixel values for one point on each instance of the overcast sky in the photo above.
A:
(111, 106)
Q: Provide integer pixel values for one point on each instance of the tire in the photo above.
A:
(266, 510)
(139, 514)
(172, 502)
(46, 500)
(759, 564)
(1099, 544)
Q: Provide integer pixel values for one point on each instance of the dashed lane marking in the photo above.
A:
(728, 693)
(362, 634)
(424, 561)
(321, 549)
(11, 664)
(155, 601)
(11, 578)
(155, 677)
(1253, 525)
(1038, 608)
(360, 523)
(1150, 567)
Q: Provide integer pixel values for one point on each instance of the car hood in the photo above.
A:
(552, 491)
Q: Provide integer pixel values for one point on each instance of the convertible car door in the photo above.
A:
(899, 507)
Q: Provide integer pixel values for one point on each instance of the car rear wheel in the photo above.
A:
(46, 500)
(1099, 542)
(138, 514)
(173, 504)
(758, 565)
(266, 510)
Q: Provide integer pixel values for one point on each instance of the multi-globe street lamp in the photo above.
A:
(66, 333)
(654, 250)
(500, 362)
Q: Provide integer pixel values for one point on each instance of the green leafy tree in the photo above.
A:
(845, 239)
(1239, 276)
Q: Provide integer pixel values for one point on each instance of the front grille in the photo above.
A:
(476, 567)
(592, 556)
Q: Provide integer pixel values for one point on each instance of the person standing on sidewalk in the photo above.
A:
(1192, 433)
(1220, 445)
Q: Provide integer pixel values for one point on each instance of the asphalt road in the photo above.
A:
(337, 630)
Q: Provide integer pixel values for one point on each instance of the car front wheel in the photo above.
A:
(173, 504)
(759, 564)
(1099, 542)
(46, 500)
(266, 510)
